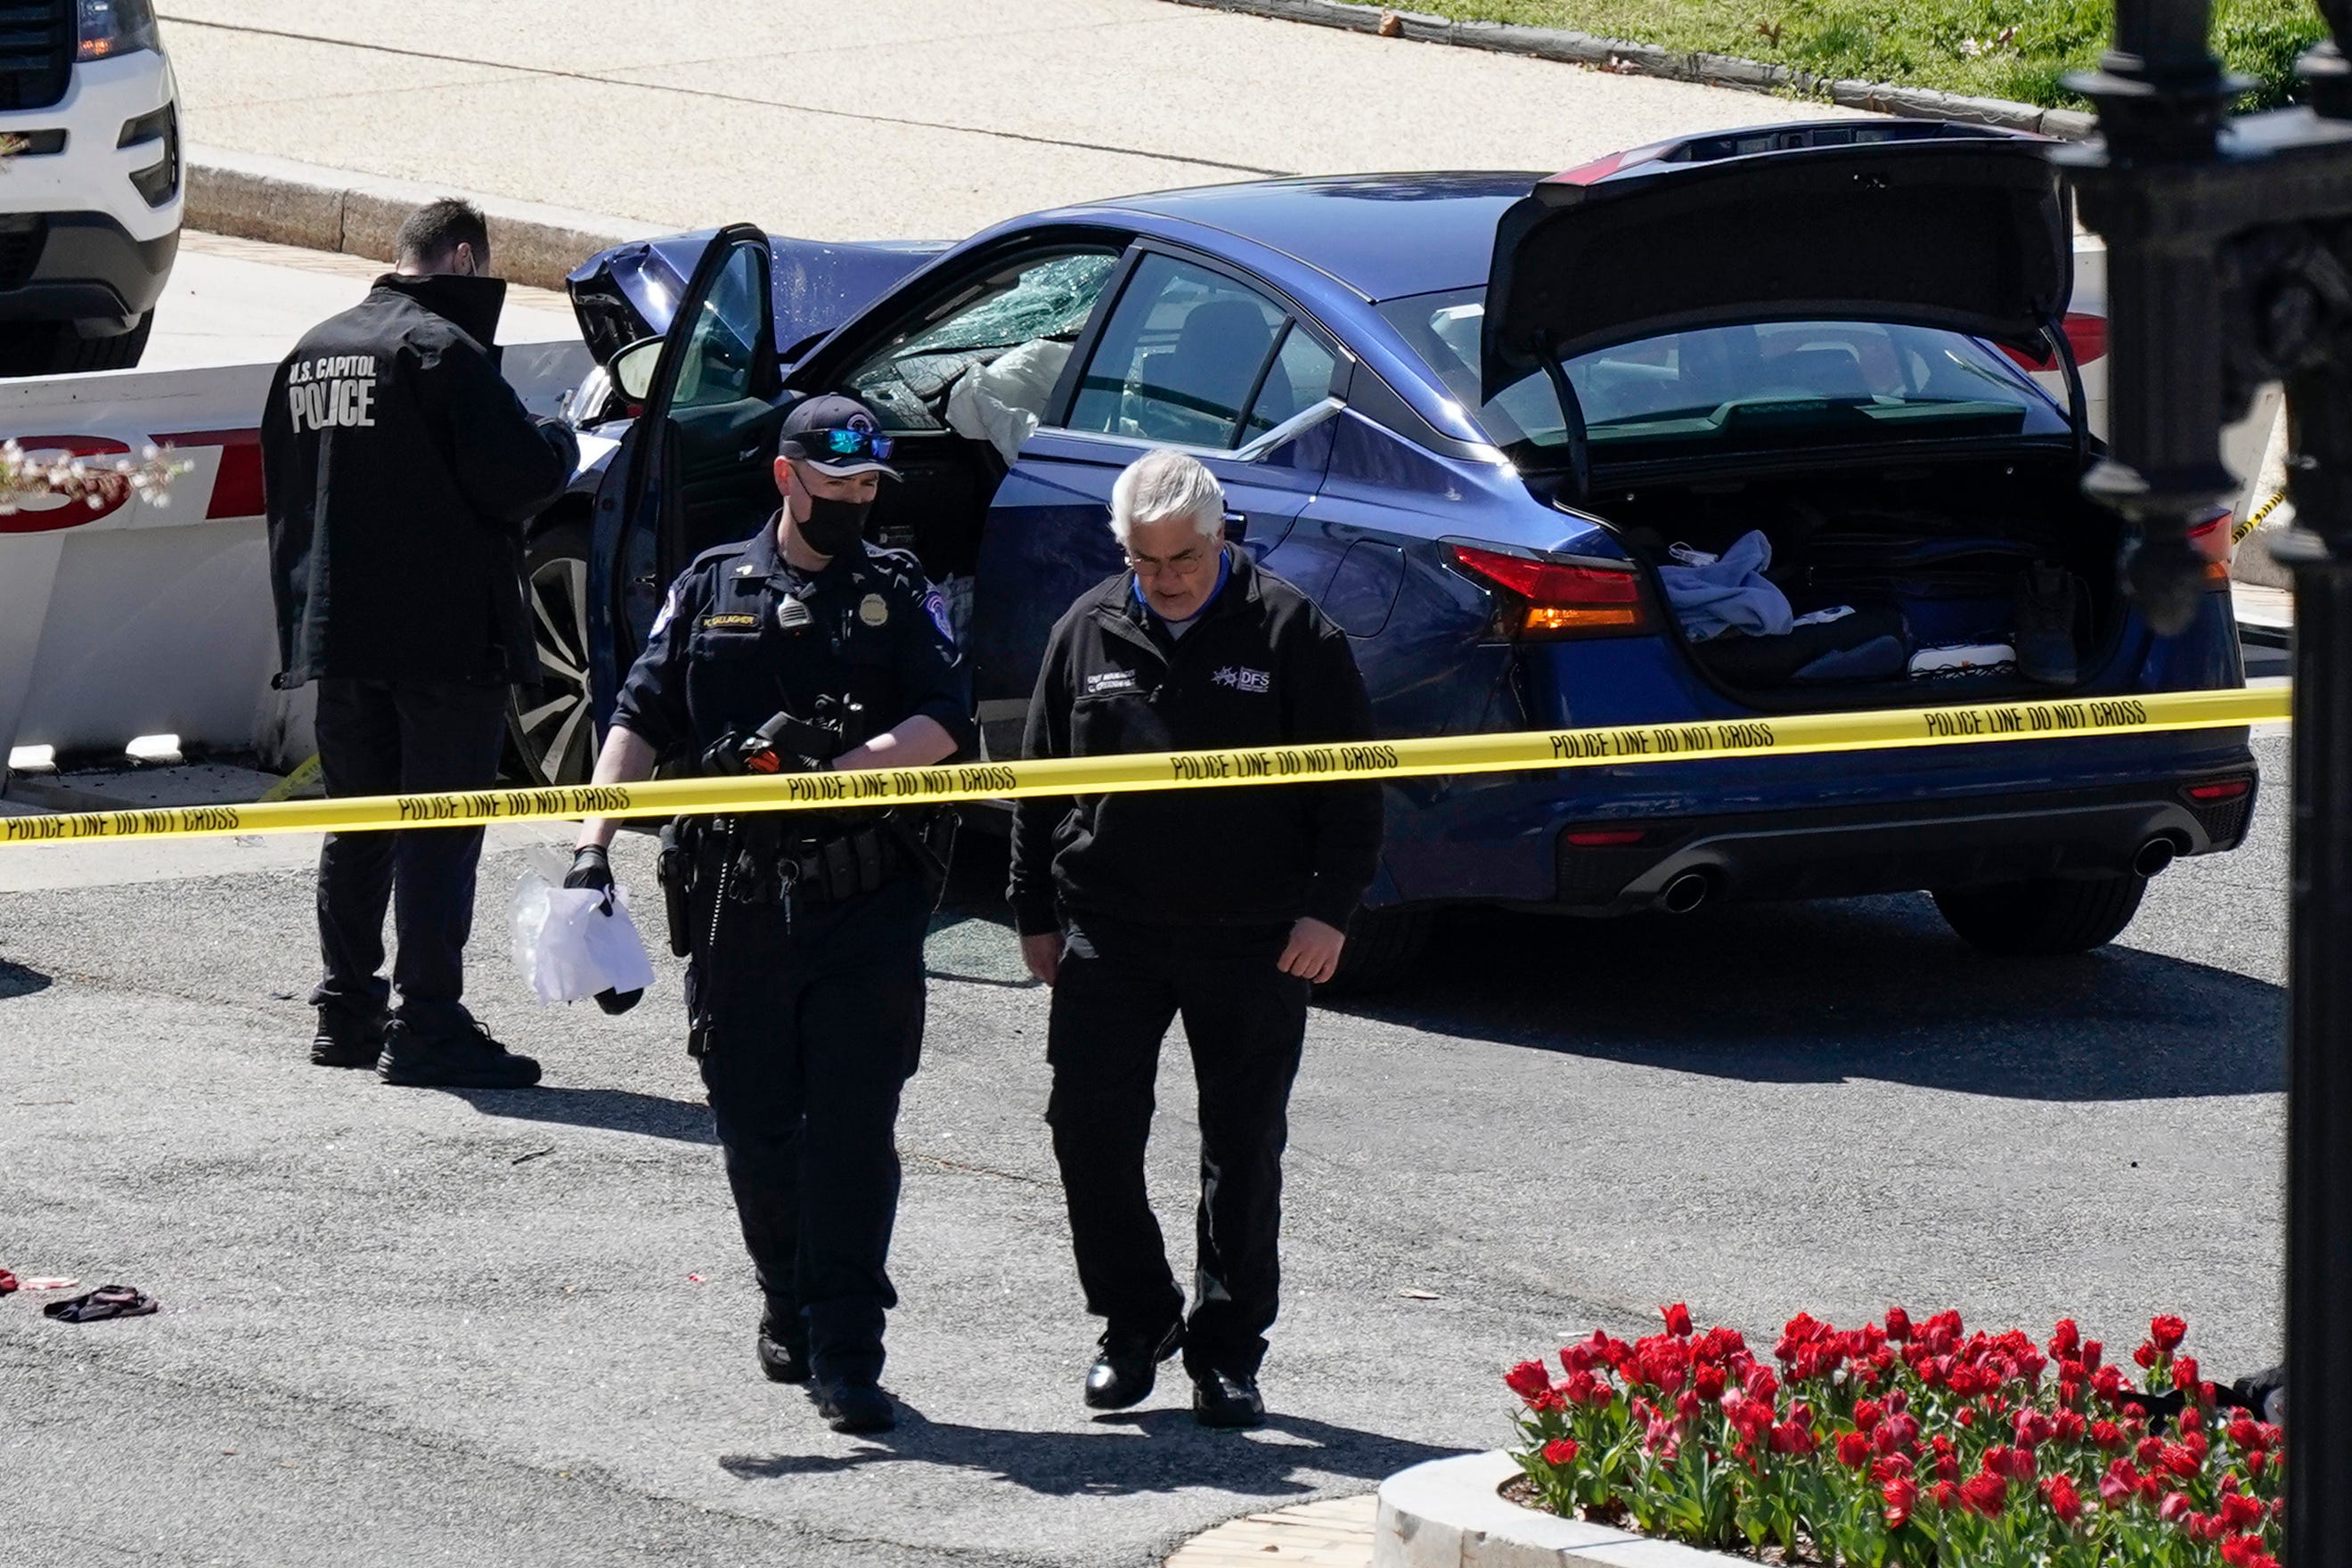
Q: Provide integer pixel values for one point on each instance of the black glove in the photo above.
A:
(592, 868)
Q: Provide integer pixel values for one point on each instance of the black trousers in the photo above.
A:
(386, 737)
(813, 1025)
(1120, 986)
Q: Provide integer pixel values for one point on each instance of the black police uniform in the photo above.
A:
(805, 979)
(1180, 902)
(399, 470)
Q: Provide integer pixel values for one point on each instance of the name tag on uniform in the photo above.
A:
(728, 623)
(1110, 680)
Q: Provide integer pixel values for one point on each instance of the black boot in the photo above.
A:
(465, 1058)
(1227, 1399)
(348, 1039)
(849, 1406)
(783, 1354)
(1130, 1364)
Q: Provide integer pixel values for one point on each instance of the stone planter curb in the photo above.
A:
(1447, 1514)
(254, 196)
(1650, 60)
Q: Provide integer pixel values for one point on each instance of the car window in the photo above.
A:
(1300, 379)
(718, 364)
(1771, 383)
(1179, 357)
(1035, 300)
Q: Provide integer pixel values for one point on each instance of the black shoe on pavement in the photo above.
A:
(1130, 1364)
(784, 1358)
(857, 1407)
(1227, 1399)
(347, 1039)
(468, 1059)
(2043, 633)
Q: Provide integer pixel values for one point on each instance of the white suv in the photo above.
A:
(91, 193)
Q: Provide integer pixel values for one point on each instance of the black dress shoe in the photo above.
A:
(1227, 1399)
(1130, 1364)
(857, 1407)
(348, 1039)
(782, 1358)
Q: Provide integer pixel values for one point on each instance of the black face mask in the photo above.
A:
(833, 526)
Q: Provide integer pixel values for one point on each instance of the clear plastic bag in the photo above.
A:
(567, 945)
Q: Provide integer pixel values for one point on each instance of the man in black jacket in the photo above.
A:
(1222, 905)
(400, 469)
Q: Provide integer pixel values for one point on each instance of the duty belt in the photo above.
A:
(762, 866)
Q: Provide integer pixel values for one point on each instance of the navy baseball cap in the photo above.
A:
(835, 435)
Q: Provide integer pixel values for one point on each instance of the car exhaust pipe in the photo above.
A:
(1686, 892)
(2154, 856)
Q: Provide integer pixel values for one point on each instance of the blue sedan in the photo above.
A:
(1722, 427)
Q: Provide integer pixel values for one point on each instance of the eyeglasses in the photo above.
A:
(1184, 562)
(821, 446)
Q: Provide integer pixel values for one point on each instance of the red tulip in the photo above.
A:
(1560, 1452)
(1985, 1494)
(1901, 1495)
(1678, 1317)
(2167, 1331)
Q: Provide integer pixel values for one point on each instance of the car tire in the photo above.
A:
(2042, 918)
(1383, 948)
(55, 348)
(550, 726)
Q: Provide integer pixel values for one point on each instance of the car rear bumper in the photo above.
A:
(1883, 847)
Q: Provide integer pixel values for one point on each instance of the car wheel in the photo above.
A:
(53, 348)
(2042, 918)
(549, 721)
(1383, 948)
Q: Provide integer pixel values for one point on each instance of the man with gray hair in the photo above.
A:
(1224, 906)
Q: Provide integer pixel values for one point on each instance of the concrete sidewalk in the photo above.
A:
(898, 119)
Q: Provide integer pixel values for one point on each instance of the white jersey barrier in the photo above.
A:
(136, 618)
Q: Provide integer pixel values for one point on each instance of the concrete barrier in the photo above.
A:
(140, 618)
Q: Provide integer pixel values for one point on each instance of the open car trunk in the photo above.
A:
(1962, 579)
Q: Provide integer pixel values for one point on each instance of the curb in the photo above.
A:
(1447, 1514)
(1650, 60)
(251, 195)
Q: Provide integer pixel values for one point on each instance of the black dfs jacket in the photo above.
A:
(1261, 667)
(399, 468)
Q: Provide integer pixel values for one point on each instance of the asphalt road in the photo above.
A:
(412, 1327)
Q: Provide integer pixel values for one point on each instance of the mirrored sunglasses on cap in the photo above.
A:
(842, 445)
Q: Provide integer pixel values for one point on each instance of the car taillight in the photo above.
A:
(2212, 540)
(2227, 789)
(1556, 598)
(1605, 838)
(2086, 335)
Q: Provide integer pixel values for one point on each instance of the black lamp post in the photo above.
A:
(2230, 265)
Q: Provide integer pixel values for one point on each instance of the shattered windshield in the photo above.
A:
(1044, 299)
(1767, 384)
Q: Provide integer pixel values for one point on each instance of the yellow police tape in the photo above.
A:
(1523, 750)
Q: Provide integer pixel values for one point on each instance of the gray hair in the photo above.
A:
(1165, 484)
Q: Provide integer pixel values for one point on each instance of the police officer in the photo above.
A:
(400, 470)
(802, 647)
(1223, 906)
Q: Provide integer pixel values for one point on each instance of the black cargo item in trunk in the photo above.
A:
(1740, 661)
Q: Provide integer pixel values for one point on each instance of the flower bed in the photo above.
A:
(1903, 1446)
